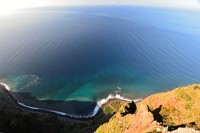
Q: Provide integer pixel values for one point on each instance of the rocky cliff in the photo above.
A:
(163, 112)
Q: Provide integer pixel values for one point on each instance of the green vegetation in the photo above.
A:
(108, 110)
(177, 108)
(116, 105)
(180, 93)
(187, 107)
(112, 107)
(168, 113)
(128, 108)
(17, 120)
(196, 87)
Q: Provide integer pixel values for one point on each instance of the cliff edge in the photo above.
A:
(163, 112)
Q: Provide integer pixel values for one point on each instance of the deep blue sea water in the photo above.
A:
(87, 53)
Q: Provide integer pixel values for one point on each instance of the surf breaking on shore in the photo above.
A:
(6, 86)
(96, 110)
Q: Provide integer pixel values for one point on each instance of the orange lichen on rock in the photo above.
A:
(159, 112)
(143, 119)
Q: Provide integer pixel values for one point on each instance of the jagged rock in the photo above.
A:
(128, 108)
(143, 119)
(131, 123)
(159, 113)
(185, 130)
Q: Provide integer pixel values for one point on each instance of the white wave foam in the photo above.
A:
(95, 111)
(117, 97)
(92, 114)
(104, 101)
(111, 97)
(33, 81)
(24, 81)
(57, 112)
(6, 86)
(30, 107)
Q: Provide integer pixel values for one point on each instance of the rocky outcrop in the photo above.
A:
(142, 120)
(128, 108)
(159, 113)
(185, 130)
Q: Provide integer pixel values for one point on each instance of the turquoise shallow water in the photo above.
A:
(87, 53)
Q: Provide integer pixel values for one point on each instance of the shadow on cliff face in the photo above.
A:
(159, 118)
(156, 113)
(130, 108)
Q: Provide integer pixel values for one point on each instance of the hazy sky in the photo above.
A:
(8, 5)
(171, 3)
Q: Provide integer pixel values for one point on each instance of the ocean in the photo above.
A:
(86, 53)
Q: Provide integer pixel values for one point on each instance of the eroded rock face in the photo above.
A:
(197, 122)
(159, 113)
(143, 119)
(128, 108)
(179, 106)
(185, 130)
(130, 123)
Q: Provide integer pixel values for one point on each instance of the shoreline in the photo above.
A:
(96, 111)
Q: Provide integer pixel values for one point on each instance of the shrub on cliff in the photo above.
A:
(128, 108)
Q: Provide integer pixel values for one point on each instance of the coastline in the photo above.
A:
(176, 110)
(96, 112)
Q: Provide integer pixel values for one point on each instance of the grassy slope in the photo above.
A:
(180, 106)
(176, 108)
